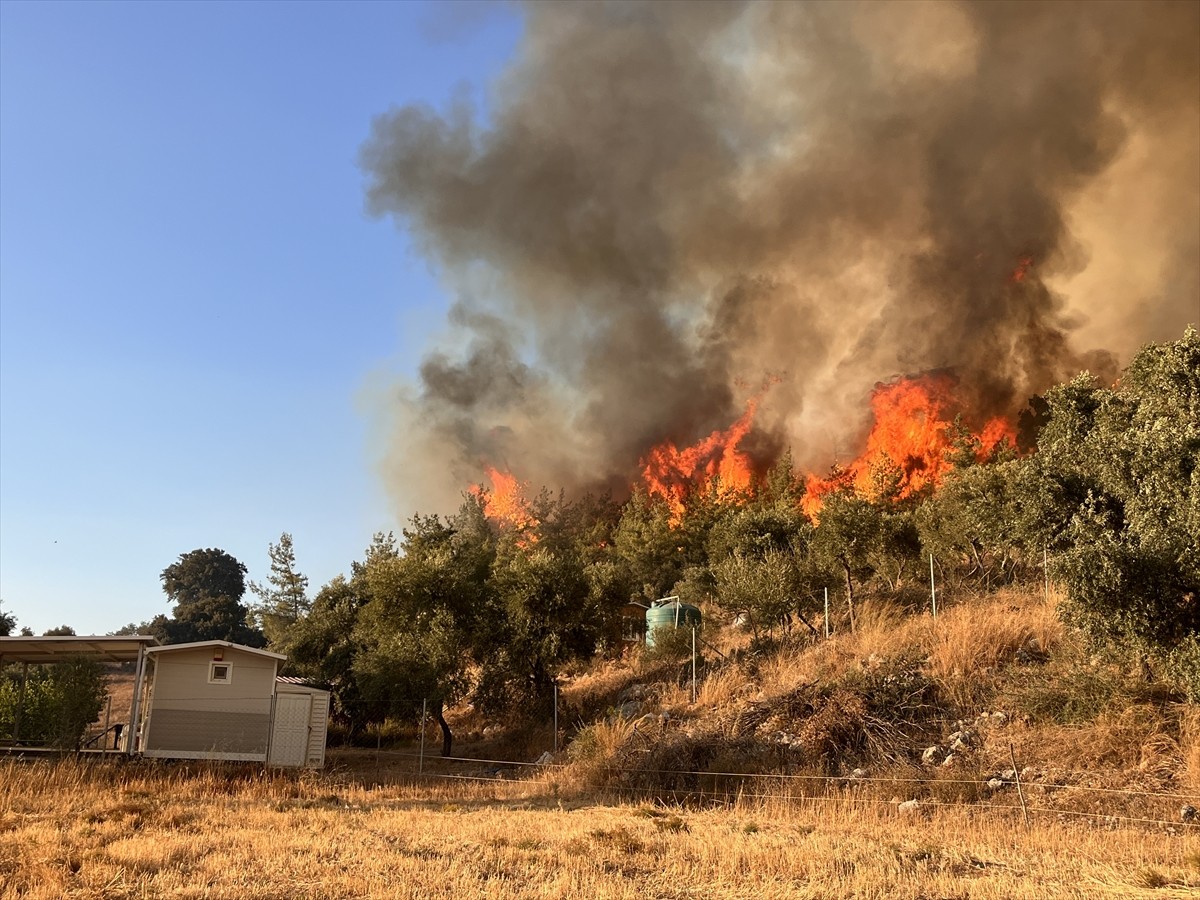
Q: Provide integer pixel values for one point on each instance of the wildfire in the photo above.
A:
(504, 502)
(910, 443)
(910, 449)
(713, 464)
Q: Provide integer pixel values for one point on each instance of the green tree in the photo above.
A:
(323, 648)
(8, 622)
(549, 619)
(760, 561)
(769, 587)
(60, 631)
(206, 587)
(1129, 555)
(283, 600)
(415, 632)
(846, 539)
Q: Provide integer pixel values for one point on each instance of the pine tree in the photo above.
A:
(284, 598)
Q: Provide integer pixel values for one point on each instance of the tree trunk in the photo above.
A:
(849, 596)
(807, 623)
(447, 737)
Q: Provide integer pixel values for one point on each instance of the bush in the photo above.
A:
(57, 704)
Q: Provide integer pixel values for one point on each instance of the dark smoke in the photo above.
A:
(676, 201)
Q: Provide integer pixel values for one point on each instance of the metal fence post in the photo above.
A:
(932, 587)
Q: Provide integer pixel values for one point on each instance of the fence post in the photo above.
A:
(555, 715)
(827, 613)
(1017, 778)
(693, 665)
(932, 588)
(421, 762)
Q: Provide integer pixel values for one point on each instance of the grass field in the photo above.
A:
(1107, 758)
(109, 829)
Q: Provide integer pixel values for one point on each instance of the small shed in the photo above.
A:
(301, 722)
(220, 700)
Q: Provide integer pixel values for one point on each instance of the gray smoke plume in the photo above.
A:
(674, 202)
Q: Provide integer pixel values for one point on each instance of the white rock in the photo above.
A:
(909, 807)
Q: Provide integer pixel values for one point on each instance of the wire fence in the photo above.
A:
(815, 789)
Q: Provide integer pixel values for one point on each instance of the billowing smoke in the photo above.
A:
(673, 203)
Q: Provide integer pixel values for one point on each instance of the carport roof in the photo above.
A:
(123, 648)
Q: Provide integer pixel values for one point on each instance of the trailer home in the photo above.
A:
(219, 700)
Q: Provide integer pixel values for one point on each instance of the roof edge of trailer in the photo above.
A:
(197, 645)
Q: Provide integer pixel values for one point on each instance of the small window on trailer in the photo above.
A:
(220, 672)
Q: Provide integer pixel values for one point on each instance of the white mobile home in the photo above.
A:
(219, 700)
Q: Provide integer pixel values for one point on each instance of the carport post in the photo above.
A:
(104, 733)
(20, 703)
(135, 709)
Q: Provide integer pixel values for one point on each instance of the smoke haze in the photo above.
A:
(674, 203)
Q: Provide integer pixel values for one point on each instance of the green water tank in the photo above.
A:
(670, 613)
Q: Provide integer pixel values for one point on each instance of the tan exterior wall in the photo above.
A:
(190, 718)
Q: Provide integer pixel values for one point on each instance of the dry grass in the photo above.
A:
(89, 830)
(998, 665)
(1190, 749)
(1107, 762)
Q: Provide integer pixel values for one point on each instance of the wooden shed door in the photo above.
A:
(289, 738)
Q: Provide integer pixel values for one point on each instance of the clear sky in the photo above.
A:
(192, 298)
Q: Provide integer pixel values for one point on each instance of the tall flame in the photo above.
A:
(713, 464)
(505, 502)
(910, 443)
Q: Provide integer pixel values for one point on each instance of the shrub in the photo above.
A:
(57, 704)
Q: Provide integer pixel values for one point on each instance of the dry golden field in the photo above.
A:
(115, 829)
(1107, 760)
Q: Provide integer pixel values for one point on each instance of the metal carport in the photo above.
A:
(103, 648)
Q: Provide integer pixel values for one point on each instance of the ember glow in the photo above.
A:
(714, 464)
(504, 502)
(910, 443)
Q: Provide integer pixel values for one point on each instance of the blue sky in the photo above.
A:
(192, 298)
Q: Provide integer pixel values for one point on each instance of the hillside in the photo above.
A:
(904, 708)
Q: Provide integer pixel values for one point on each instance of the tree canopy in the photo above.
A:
(283, 599)
(1127, 460)
(206, 587)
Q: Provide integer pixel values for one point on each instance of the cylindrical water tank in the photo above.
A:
(670, 614)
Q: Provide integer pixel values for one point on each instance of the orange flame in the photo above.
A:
(713, 464)
(910, 443)
(505, 503)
